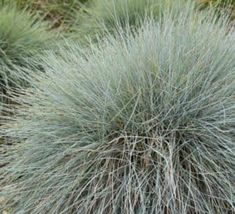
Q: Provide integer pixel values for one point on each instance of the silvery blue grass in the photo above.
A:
(103, 17)
(143, 123)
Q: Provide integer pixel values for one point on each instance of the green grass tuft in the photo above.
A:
(102, 16)
(22, 37)
(143, 124)
(21, 34)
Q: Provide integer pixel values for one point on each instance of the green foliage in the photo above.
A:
(21, 34)
(22, 37)
(143, 123)
(104, 16)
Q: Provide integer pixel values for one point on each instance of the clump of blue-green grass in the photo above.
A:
(142, 123)
(23, 36)
(102, 17)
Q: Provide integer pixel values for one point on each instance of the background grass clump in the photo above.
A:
(107, 16)
(143, 123)
(22, 37)
(21, 34)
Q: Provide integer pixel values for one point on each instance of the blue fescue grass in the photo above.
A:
(23, 36)
(141, 123)
(107, 16)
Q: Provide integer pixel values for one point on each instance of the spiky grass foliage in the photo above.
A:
(22, 37)
(143, 124)
(102, 16)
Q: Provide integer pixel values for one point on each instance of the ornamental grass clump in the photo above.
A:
(107, 16)
(142, 123)
(22, 37)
